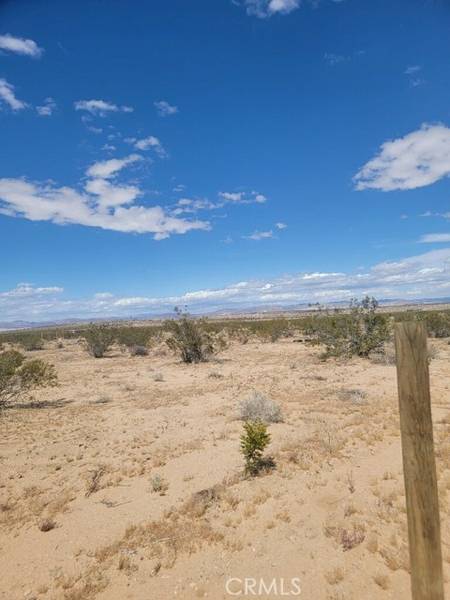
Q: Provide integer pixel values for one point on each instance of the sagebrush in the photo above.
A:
(260, 408)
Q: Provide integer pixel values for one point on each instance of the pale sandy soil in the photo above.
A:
(331, 514)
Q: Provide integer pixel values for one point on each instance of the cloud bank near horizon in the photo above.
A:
(408, 278)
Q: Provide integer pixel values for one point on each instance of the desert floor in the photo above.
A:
(133, 464)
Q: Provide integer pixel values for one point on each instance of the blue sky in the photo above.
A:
(221, 153)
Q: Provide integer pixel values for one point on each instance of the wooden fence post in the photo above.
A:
(419, 465)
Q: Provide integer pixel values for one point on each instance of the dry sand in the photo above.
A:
(133, 466)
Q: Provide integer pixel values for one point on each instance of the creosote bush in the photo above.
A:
(99, 338)
(260, 408)
(189, 338)
(360, 332)
(19, 376)
(253, 443)
(33, 343)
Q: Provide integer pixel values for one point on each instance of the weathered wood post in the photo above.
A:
(419, 465)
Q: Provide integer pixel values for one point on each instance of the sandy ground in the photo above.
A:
(135, 464)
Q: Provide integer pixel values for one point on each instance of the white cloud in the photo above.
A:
(267, 8)
(8, 96)
(100, 107)
(259, 235)
(280, 225)
(431, 238)
(20, 46)
(419, 276)
(108, 168)
(146, 143)
(418, 159)
(103, 203)
(46, 109)
(188, 205)
(164, 109)
(243, 197)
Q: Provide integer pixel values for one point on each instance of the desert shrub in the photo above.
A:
(253, 443)
(99, 338)
(189, 338)
(438, 323)
(358, 333)
(138, 350)
(131, 336)
(19, 376)
(260, 408)
(32, 343)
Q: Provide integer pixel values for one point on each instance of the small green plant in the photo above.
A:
(159, 485)
(19, 376)
(99, 338)
(253, 443)
(189, 338)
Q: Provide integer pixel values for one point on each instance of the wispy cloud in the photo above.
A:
(413, 75)
(108, 168)
(47, 108)
(164, 109)
(409, 278)
(280, 226)
(418, 159)
(268, 8)
(8, 96)
(19, 45)
(259, 235)
(243, 197)
(100, 107)
(432, 238)
(147, 143)
(103, 203)
(333, 59)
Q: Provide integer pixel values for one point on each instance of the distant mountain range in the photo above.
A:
(224, 312)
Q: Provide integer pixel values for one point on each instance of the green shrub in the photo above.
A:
(99, 338)
(357, 333)
(253, 443)
(438, 323)
(32, 343)
(189, 338)
(131, 336)
(19, 376)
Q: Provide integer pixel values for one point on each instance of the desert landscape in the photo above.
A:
(126, 479)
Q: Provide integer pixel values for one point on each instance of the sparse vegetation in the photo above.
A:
(158, 484)
(189, 338)
(260, 408)
(19, 376)
(254, 440)
(32, 343)
(138, 350)
(358, 333)
(99, 338)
